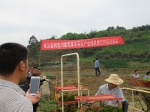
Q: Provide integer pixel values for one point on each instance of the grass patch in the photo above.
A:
(114, 63)
(49, 76)
(87, 59)
(47, 105)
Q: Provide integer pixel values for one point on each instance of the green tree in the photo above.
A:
(92, 34)
(69, 36)
(81, 36)
(33, 40)
(52, 38)
(33, 48)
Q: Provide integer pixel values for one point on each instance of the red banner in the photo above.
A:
(82, 43)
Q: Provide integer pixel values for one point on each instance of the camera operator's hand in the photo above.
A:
(33, 98)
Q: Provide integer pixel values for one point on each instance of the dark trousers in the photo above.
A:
(35, 107)
(97, 70)
(125, 106)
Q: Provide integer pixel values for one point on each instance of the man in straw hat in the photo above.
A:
(112, 88)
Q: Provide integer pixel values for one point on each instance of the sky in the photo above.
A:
(20, 19)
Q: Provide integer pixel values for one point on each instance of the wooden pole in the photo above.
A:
(56, 83)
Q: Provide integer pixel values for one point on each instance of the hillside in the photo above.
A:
(133, 54)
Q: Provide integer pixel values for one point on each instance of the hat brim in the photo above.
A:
(120, 81)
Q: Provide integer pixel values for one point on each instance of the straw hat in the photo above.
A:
(114, 79)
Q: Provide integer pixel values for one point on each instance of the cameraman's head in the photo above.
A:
(13, 62)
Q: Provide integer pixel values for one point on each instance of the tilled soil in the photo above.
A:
(88, 78)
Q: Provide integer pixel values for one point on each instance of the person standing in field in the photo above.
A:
(97, 67)
(147, 76)
(135, 75)
(37, 72)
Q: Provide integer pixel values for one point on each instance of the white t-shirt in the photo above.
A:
(136, 76)
(116, 91)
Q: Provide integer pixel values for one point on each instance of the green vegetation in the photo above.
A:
(47, 105)
(111, 109)
(68, 97)
(49, 76)
(135, 50)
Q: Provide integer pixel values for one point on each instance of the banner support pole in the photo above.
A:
(40, 59)
(40, 55)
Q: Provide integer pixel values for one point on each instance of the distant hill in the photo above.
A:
(133, 54)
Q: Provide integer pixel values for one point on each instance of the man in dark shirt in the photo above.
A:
(37, 72)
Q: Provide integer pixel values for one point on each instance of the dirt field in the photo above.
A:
(88, 78)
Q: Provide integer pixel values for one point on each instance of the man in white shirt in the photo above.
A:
(135, 75)
(112, 87)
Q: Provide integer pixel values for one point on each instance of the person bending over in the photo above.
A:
(112, 87)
